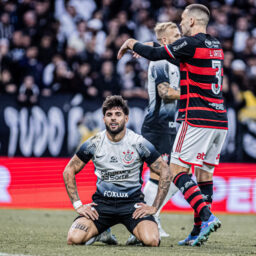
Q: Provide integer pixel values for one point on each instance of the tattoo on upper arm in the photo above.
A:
(76, 164)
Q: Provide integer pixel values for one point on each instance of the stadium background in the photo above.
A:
(58, 63)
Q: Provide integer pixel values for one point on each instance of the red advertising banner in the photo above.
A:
(38, 183)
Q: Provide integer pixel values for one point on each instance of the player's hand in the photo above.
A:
(135, 55)
(88, 211)
(143, 210)
(124, 48)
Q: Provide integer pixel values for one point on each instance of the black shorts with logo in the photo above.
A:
(116, 211)
(163, 142)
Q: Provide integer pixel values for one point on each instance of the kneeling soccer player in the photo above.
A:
(118, 155)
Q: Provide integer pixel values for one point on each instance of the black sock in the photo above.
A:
(192, 194)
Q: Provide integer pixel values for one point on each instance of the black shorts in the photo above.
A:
(112, 212)
(162, 142)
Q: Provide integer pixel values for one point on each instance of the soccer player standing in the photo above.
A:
(159, 126)
(202, 113)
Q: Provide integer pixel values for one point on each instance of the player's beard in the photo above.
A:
(118, 130)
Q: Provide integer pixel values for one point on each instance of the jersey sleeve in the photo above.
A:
(86, 151)
(159, 72)
(147, 151)
(181, 49)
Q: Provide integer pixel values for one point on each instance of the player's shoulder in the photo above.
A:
(132, 136)
(94, 140)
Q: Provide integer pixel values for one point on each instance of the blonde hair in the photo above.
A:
(163, 26)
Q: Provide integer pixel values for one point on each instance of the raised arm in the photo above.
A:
(146, 51)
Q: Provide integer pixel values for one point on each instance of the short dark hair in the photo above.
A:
(115, 101)
(201, 9)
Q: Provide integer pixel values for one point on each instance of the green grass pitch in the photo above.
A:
(43, 232)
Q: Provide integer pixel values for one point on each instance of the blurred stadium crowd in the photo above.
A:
(49, 47)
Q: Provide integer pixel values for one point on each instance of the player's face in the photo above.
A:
(169, 36)
(115, 120)
(185, 23)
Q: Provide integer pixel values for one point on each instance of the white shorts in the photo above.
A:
(198, 146)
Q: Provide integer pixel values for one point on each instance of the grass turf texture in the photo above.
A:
(43, 232)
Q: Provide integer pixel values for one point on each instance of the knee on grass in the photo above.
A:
(77, 238)
(151, 241)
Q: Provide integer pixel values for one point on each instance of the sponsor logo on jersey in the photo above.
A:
(212, 43)
(177, 47)
(99, 156)
(217, 106)
(113, 159)
(200, 156)
(109, 193)
(115, 175)
(128, 157)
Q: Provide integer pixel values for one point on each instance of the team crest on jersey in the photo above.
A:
(128, 157)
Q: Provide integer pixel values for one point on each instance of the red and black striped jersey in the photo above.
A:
(201, 76)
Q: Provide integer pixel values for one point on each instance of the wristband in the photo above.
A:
(77, 204)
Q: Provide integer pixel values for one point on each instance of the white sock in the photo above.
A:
(172, 191)
(150, 191)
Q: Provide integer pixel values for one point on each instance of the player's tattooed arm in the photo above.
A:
(167, 93)
(161, 168)
(74, 166)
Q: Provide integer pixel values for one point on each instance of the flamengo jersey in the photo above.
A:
(201, 69)
(160, 117)
(118, 165)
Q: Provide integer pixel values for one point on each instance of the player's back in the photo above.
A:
(160, 116)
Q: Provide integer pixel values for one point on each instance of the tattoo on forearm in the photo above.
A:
(70, 183)
(164, 181)
(80, 226)
(73, 167)
(163, 90)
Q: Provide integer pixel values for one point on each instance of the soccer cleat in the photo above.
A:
(106, 237)
(211, 225)
(188, 240)
(132, 240)
(162, 233)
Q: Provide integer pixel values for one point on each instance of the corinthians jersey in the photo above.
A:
(160, 117)
(118, 165)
